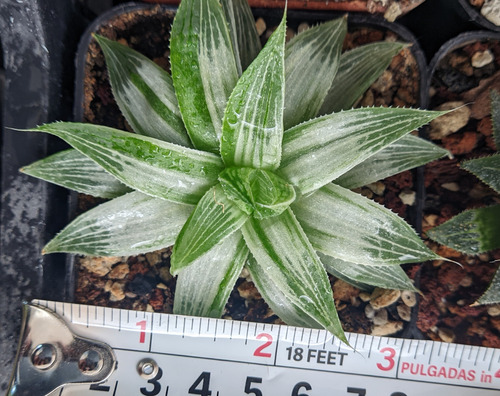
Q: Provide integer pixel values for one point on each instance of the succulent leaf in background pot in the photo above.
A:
(231, 164)
(476, 231)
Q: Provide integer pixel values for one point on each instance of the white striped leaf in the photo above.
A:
(203, 288)
(359, 68)
(473, 231)
(492, 294)
(154, 167)
(257, 192)
(407, 153)
(244, 36)
(312, 53)
(131, 224)
(278, 299)
(368, 276)
(319, 151)
(73, 170)
(495, 116)
(485, 168)
(204, 69)
(253, 121)
(214, 218)
(144, 92)
(350, 227)
(285, 255)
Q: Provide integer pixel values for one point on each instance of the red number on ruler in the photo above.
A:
(497, 374)
(142, 324)
(258, 351)
(389, 358)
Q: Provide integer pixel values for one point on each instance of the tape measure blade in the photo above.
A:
(187, 347)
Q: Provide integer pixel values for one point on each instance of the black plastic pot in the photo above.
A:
(471, 13)
(37, 40)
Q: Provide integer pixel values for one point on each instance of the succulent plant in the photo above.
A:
(232, 165)
(477, 231)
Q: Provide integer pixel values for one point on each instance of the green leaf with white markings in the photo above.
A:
(319, 151)
(131, 224)
(304, 91)
(204, 69)
(154, 167)
(144, 92)
(253, 120)
(73, 170)
(492, 294)
(214, 218)
(282, 250)
(473, 231)
(279, 299)
(406, 153)
(495, 116)
(350, 227)
(368, 276)
(203, 288)
(257, 192)
(359, 68)
(244, 36)
(486, 168)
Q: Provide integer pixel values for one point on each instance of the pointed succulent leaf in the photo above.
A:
(368, 276)
(284, 254)
(214, 218)
(492, 294)
(106, 229)
(203, 288)
(406, 153)
(154, 167)
(204, 69)
(256, 191)
(487, 169)
(319, 151)
(75, 171)
(359, 68)
(350, 227)
(144, 92)
(244, 36)
(473, 231)
(495, 116)
(277, 298)
(312, 53)
(253, 121)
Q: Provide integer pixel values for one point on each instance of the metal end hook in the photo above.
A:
(50, 355)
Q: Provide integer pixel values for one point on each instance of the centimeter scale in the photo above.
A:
(69, 349)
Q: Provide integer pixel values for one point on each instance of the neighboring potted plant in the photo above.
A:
(463, 73)
(233, 168)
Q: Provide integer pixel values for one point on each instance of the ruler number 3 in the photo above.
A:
(389, 357)
(259, 350)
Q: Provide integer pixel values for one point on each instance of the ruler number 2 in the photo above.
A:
(258, 351)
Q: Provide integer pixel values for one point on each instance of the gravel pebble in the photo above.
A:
(450, 122)
(482, 58)
(404, 312)
(409, 298)
(387, 329)
(382, 298)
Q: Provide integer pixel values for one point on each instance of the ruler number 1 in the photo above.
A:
(142, 335)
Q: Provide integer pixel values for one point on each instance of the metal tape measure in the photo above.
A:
(69, 349)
